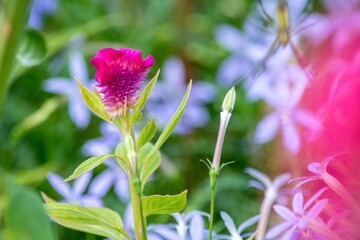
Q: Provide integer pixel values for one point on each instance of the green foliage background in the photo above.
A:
(161, 28)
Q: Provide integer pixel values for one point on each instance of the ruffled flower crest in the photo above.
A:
(119, 74)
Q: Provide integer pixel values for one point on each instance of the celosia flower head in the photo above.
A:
(119, 74)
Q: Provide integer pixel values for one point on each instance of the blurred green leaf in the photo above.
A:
(37, 117)
(146, 134)
(167, 204)
(98, 221)
(88, 165)
(32, 48)
(25, 217)
(146, 93)
(152, 163)
(93, 102)
(33, 175)
(170, 126)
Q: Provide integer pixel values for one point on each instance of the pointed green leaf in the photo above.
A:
(47, 199)
(88, 165)
(151, 165)
(99, 221)
(146, 134)
(32, 49)
(25, 217)
(171, 125)
(93, 102)
(146, 93)
(38, 117)
(157, 204)
(136, 116)
(121, 157)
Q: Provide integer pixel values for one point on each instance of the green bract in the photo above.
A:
(93, 101)
(88, 165)
(157, 204)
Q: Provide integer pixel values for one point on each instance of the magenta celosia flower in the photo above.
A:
(120, 74)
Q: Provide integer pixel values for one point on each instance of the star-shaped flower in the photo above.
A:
(78, 111)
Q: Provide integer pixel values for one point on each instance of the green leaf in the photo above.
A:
(88, 165)
(25, 217)
(171, 125)
(47, 199)
(99, 221)
(121, 157)
(146, 134)
(151, 165)
(146, 93)
(93, 102)
(136, 116)
(37, 117)
(32, 49)
(157, 204)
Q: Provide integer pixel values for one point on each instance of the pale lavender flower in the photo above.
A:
(105, 144)
(299, 221)
(76, 192)
(272, 190)
(236, 233)
(282, 89)
(246, 50)
(250, 48)
(189, 227)
(168, 93)
(40, 9)
(78, 111)
(115, 176)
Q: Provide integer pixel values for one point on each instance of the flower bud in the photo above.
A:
(229, 101)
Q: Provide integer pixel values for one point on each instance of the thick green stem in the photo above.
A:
(213, 174)
(13, 16)
(139, 220)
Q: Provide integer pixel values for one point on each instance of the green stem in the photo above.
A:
(13, 16)
(213, 174)
(139, 220)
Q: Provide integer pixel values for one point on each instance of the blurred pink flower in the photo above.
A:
(120, 74)
(302, 221)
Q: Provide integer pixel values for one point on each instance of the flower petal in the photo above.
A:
(298, 202)
(196, 228)
(278, 229)
(267, 128)
(79, 113)
(77, 67)
(80, 184)
(102, 183)
(229, 223)
(59, 185)
(307, 119)
(59, 85)
(291, 138)
(251, 221)
(284, 212)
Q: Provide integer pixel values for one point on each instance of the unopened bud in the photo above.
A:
(130, 152)
(229, 100)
